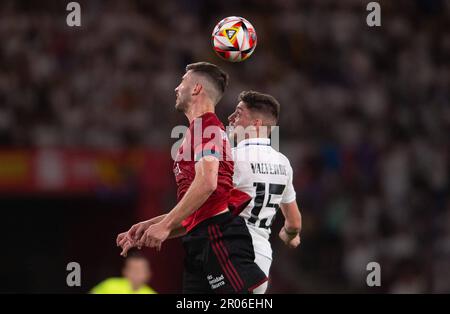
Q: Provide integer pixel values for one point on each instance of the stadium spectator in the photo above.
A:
(365, 118)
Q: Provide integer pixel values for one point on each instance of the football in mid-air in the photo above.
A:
(234, 39)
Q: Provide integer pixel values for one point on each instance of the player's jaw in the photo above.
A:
(183, 95)
(177, 100)
(181, 102)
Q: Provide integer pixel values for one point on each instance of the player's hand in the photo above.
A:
(124, 241)
(127, 240)
(292, 241)
(126, 246)
(154, 236)
(120, 238)
(134, 233)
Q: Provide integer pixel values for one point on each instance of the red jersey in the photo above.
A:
(206, 136)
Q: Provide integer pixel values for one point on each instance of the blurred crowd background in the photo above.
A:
(365, 121)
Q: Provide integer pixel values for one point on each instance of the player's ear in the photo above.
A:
(197, 89)
(257, 122)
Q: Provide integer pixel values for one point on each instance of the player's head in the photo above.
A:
(254, 111)
(201, 80)
(137, 270)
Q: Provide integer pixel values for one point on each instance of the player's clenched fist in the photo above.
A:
(292, 240)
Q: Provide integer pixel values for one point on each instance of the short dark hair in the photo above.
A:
(216, 74)
(262, 103)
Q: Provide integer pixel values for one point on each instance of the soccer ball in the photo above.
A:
(234, 39)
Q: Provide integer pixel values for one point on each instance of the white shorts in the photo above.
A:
(262, 248)
(263, 262)
(263, 255)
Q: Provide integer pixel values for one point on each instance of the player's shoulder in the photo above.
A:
(282, 157)
(210, 118)
(207, 119)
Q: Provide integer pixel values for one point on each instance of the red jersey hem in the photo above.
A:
(193, 224)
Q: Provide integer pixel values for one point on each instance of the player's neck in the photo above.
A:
(199, 109)
(257, 133)
(255, 137)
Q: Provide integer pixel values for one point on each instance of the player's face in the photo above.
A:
(241, 122)
(183, 93)
(137, 271)
(241, 116)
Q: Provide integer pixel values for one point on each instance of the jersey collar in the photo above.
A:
(259, 141)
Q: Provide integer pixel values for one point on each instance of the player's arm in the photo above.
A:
(127, 240)
(176, 233)
(292, 217)
(203, 185)
(290, 233)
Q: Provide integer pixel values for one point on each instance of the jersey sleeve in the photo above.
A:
(289, 193)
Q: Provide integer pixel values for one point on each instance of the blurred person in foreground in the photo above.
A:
(136, 273)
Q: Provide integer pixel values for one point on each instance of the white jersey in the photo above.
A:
(265, 175)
